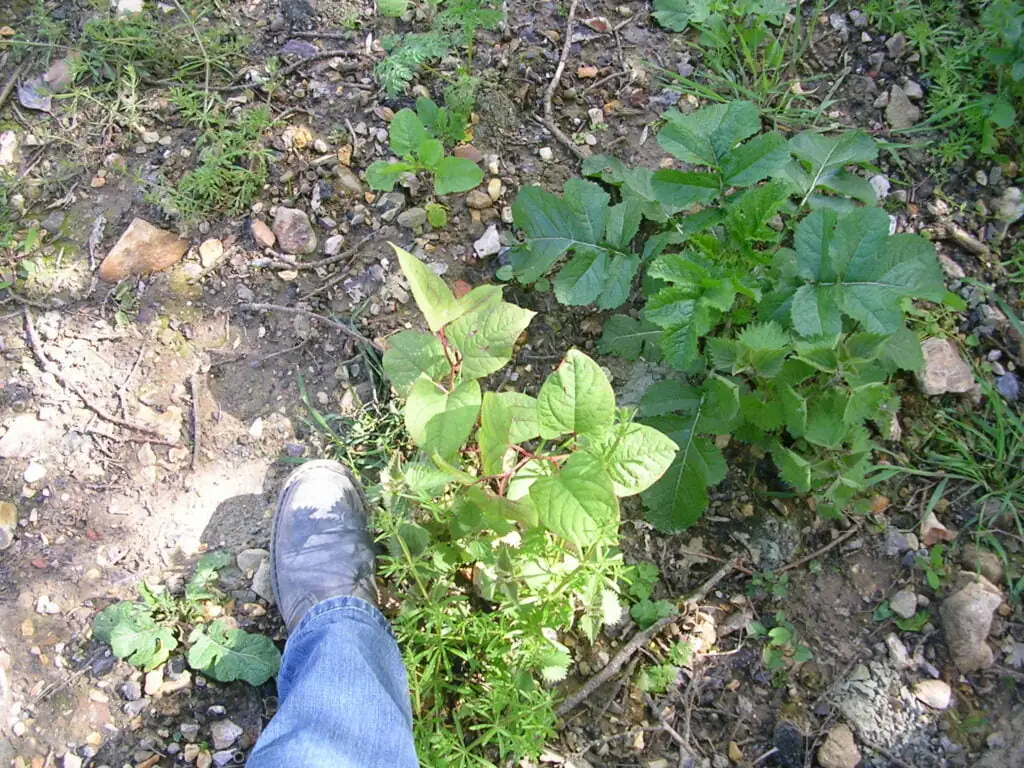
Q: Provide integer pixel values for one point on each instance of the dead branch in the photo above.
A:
(196, 420)
(548, 116)
(854, 530)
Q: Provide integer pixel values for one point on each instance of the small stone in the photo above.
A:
(839, 749)
(896, 44)
(224, 733)
(489, 243)
(979, 560)
(950, 267)
(262, 234)
(881, 185)
(130, 690)
(249, 560)
(1008, 386)
(913, 90)
(71, 760)
(204, 760)
(320, 146)
(944, 369)
(25, 436)
(898, 652)
(494, 189)
(966, 621)
(294, 231)
(128, 8)
(223, 757)
(413, 218)
(210, 252)
(8, 523)
(98, 696)
(935, 693)
(901, 113)
(546, 154)
(140, 250)
(34, 472)
(154, 681)
(904, 603)
(735, 753)
(8, 148)
(348, 181)
(262, 584)
(596, 115)
(189, 730)
(586, 72)
(479, 200)
(469, 152)
(190, 752)
(333, 245)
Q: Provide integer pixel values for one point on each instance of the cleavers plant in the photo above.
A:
(503, 529)
(788, 324)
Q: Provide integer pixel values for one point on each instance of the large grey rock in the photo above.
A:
(944, 370)
(901, 113)
(966, 621)
(839, 749)
(140, 250)
(293, 231)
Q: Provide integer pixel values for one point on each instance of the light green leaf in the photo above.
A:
(634, 455)
(629, 338)
(437, 215)
(576, 398)
(433, 297)
(579, 502)
(205, 575)
(825, 157)
(392, 8)
(411, 354)
(456, 174)
(506, 419)
(704, 136)
(554, 665)
(794, 410)
(133, 635)
(382, 175)
(232, 654)
(430, 152)
(677, 15)
(528, 474)
(825, 425)
(406, 132)
(492, 506)
(484, 338)
(793, 468)
(438, 421)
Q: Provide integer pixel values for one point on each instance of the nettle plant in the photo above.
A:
(503, 529)
(146, 633)
(788, 325)
(419, 151)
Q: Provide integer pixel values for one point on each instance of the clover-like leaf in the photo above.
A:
(575, 398)
(232, 654)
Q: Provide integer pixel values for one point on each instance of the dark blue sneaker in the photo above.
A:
(321, 547)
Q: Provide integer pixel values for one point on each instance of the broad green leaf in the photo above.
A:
(576, 398)
(456, 174)
(392, 8)
(903, 350)
(794, 410)
(865, 403)
(506, 419)
(755, 160)
(720, 406)
(704, 136)
(433, 297)
(623, 223)
(618, 280)
(843, 182)
(677, 15)
(382, 175)
(528, 474)
(232, 654)
(580, 281)
(205, 575)
(438, 421)
(793, 468)
(484, 338)
(630, 339)
(493, 506)
(825, 157)
(406, 132)
(680, 497)
(430, 152)
(815, 311)
(634, 455)
(663, 397)
(411, 354)
(825, 425)
(762, 409)
(133, 635)
(579, 502)
(681, 190)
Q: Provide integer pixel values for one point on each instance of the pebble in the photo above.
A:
(880, 183)
(224, 733)
(249, 560)
(210, 252)
(413, 218)
(294, 231)
(546, 154)
(489, 243)
(839, 749)
(71, 760)
(494, 189)
(8, 523)
(966, 621)
(45, 605)
(935, 693)
(204, 760)
(189, 730)
(479, 200)
(913, 90)
(190, 753)
(131, 690)
(141, 250)
(944, 369)
(904, 603)
(262, 234)
(469, 152)
(1009, 387)
(901, 113)
(154, 681)
(988, 564)
(262, 583)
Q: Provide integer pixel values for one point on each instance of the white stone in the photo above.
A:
(489, 243)
(128, 7)
(904, 603)
(34, 472)
(211, 252)
(546, 154)
(224, 733)
(935, 693)
(8, 148)
(944, 369)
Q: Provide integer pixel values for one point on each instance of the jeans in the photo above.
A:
(343, 695)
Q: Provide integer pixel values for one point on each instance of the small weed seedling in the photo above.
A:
(146, 633)
(782, 650)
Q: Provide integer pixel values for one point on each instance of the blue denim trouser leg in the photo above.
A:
(343, 695)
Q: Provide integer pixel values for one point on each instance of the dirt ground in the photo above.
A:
(220, 386)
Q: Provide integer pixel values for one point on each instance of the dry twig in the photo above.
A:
(196, 420)
(548, 117)
(313, 316)
(854, 530)
(323, 262)
(319, 57)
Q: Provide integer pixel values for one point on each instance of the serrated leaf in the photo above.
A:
(663, 397)
(794, 410)
(576, 398)
(634, 455)
(762, 409)
(484, 339)
(825, 425)
(205, 575)
(865, 403)
(498, 507)
(755, 160)
(406, 132)
(630, 339)
(704, 136)
(456, 174)
(506, 419)
(578, 503)
(611, 607)
(411, 354)
(648, 612)
(793, 468)
(438, 421)
(232, 654)
(133, 635)
(554, 665)
(434, 299)
(825, 155)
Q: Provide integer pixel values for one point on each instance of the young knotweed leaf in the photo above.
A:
(576, 398)
(630, 339)
(506, 419)
(406, 133)
(433, 297)
(133, 635)
(578, 503)
(383, 176)
(634, 455)
(411, 354)
(439, 421)
(484, 339)
(456, 174)
(232, 654)
(705, 136)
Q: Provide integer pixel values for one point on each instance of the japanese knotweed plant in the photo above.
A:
(502, 531)
(770, 280)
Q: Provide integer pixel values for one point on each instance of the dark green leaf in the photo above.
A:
(629, 338)
(232, 654)
(133, 635)
(579, 502)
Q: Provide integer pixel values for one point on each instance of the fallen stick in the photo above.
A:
(313, 316)
(548, 117)
(196, 420)
(319, 57)
(322, 262)
(854, 530)
(639, 640)
(50, 367)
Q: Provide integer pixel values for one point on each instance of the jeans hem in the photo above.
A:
(343, 608)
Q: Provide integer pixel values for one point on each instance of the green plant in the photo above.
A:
(449, 123)
(502, 531)
(453, 27)
(782, 649)
(789, 327)
(146, 633)
(420, 152)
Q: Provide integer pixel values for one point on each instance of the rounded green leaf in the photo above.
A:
(411, 354)
(430, 152)
(439, 421)
(382, 175)
(484, 338)
(577, 398)
(406, 132)
(233, 654)
(456, 174)
(634, 455)
(579, 502)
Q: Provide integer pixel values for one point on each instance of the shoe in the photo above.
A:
(321, 547)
